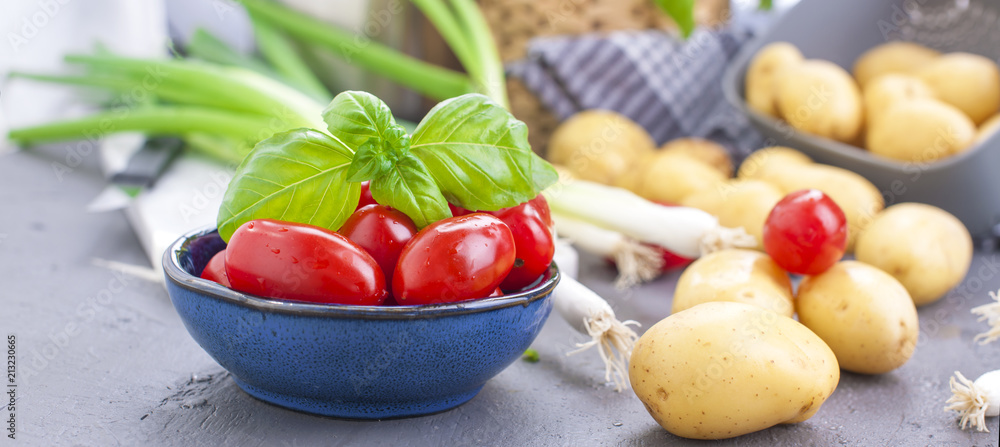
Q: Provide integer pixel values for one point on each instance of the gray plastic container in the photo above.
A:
(968, 184)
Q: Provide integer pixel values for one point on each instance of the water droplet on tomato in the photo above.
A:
(250, 225)
(275, 250)
(295, 260)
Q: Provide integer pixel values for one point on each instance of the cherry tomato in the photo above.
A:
(215, 270)
(806, 232)
(454, 259)
(382, 232)
(542, 207)
(671, 260)
(532, 240)
(457, 210)
(302, 262)
(366, 196)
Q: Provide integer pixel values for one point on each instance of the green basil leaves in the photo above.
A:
(468, 151)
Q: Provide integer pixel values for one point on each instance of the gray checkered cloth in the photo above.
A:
(672, 88)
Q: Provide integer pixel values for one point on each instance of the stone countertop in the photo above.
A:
(104, 360)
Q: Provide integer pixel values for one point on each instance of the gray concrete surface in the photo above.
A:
(104, 360)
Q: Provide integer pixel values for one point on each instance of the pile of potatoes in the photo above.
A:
(609, 148)
(905, 101)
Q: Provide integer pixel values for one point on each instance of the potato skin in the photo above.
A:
(599, 145)
(892, 57)
(921, 130)
(925, 248)
(864, 315)
(885, 91)
(969, 82)
(737, 275)
(722, 369)
(860, 200)
(821, 98)
(738, 203)
(762, 162)
(766, 68)
(706, 151)
(669, 177)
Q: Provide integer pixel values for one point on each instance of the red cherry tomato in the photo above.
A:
(302, 262)
(366, 196)
(454, 259)
(533, 243)
(382, 232)
(671, 261)
(542, 207)
(215, 270)
(806, 232)
(457, 210)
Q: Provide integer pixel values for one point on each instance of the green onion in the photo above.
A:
(153, 120)
(205, 46)
(279, 51)
(492, 79)
(436, 82)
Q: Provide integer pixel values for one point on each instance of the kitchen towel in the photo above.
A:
(669, 86)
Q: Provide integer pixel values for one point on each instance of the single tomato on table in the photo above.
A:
(806, 232)
(455, 259)
(302, 262)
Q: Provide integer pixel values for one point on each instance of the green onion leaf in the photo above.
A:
(296, 176)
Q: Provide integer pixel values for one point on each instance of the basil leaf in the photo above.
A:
(409, 188)
(370, 161)
(297, 176)
(682, 11)
(355, 117)
(479, 155)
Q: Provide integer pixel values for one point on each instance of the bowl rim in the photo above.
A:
(178, 276)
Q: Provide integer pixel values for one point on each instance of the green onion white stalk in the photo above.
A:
(590, 314)
(636, 263)
(688, 232)
(975, 401)
(991, 314)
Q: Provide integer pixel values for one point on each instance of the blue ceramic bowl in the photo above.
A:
(359, 362)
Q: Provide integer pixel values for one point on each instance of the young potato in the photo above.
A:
(706, 151)
(742, 276)
(987, 129)
(720, 370)
(864, 315)
(762, 162)
(858, 198)
(765, 69)
(969, 82)
(599, 145)
(921, 130)
(669, 177)
(924, 247)
(738, 203)
(888, 90)
(892, 57)
(820, 98)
